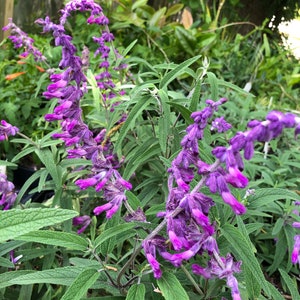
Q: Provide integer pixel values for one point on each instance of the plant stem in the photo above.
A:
(192, 280)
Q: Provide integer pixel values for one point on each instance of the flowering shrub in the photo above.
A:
(173, 160)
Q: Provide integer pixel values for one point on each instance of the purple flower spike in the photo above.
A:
(21, 39)
(69, 86)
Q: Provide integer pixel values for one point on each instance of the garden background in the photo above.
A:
(134, 184)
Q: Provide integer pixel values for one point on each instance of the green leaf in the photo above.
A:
(274, 292)
(244, 231)
(278, 226)
(23, 153)
(56, 238)
(46, 156)
(186, 113)
(42, 180)
(136, 291)
(7, 163)
(291, 284)
(36, 175)
(8, 246)
(140, 154)
(213, 82)
(171, 288)
(42, 79)
(6, 263)
(157, 16)
(81, 284)
(6, 277)
(16, 222)
(61, 276)
(266, 46)
(174, 9)
(164, 121)
(280, 252)
(95, 90)
(241, 249)
(196, 96)
(264, 196)
(186, 40)
(109, 233)
(252, 285)
(130, 121)
(138, 3)
(133, 200)
(180, 69)
(234, 87)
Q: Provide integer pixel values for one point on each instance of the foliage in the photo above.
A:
(42, 256)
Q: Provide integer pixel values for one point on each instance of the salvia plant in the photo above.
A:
(153, 180)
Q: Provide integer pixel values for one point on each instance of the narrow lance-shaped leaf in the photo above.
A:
(56, 238)
(241, 249)
(291, 284)
(171, 288)
(195, 96)
(180, 69)
(109, 233)
(47, 158)
(61, 276)
(16, 222)
(28, 183)
(130, 121)
(213, 81)
(81, 284)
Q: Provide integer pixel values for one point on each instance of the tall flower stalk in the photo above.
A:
(68, 87)
(190, 231)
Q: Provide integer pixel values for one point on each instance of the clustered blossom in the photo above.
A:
(7, 194)
(189, 229)
(21, 39)
(69, 87)
(6, 130)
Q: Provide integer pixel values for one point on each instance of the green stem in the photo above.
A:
(28, 139)
(192, 280)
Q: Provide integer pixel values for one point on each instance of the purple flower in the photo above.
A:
(7, 194)
(6, 130)
(222, 268)
(21, 39)
(137, 216)
(177, 258)
(150, 248)
(220, 125)
(154, 265)
(85, 221)
(296, 250)
(236, 178)
(14, 259)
